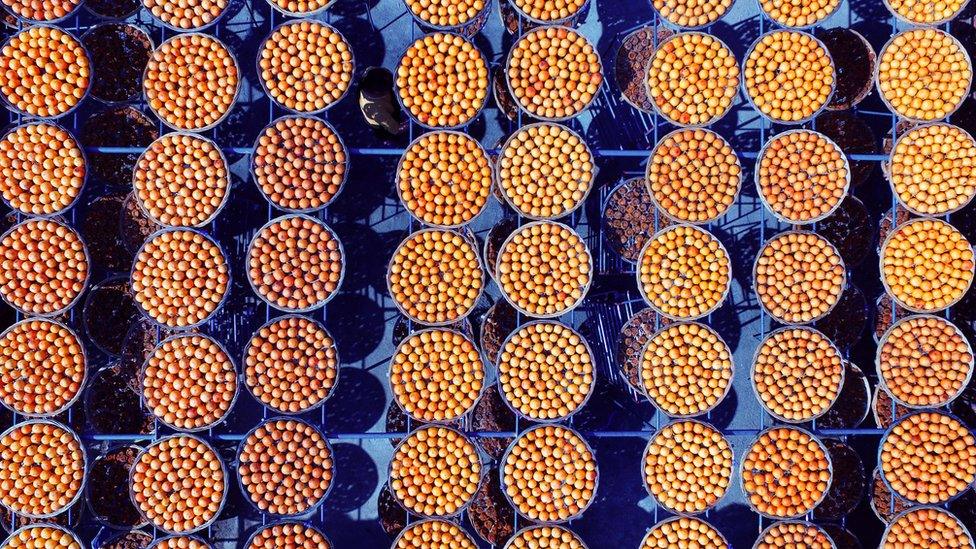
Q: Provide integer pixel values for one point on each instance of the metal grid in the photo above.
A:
(608, 115)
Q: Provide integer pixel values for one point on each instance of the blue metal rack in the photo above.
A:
(620, 136)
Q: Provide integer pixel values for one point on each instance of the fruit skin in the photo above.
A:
(928, 96)
(41, 536)
(684, 13)
(572, 262)
(296, 456)
(431, 305)
(450, 533)
(545, 181)
(692, 529)
(691, 285)
(808, 302)
(208, 479)
(765, 101)
(816, 460)
(446, 14)
(69, 77)
(41, 459)
(169, 370)
(272, 361)
(270, 537)
(304, 87)
(213, 66)
(682, 85)
(549, 11)
(693, 175)
(29, 342)
(454, 191)
(902, 526)
(521, 474)
(806, 14)
(432, 99)
(181, 180)
(541, 97)
(27, 158)
(794, 533)
(928, 457)
(907, 348)
(776, 367)
(551, 355)
(50, 290)
(557, 537)
(930, 169)
(919, 288)
(783, 176)
(152, 273)
(431, 452)
(186, 15)
(274, 275)
(675, 448)
(420, 362)
(675, 341)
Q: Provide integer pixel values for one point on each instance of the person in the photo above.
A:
(376, 101)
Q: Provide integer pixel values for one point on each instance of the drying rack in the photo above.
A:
(620, 136)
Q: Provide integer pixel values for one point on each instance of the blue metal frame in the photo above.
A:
(618, 134)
